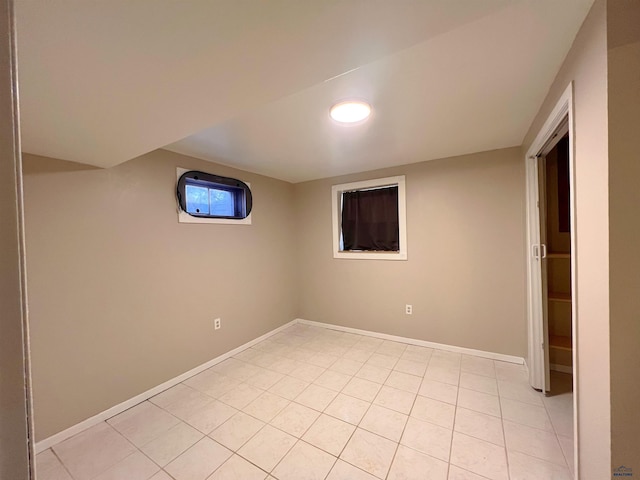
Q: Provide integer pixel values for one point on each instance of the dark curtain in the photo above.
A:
(370, 219)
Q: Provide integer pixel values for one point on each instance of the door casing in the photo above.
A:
(537, 359)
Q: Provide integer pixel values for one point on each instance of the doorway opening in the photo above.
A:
(551, 266)
(551, 279)
(555, 223)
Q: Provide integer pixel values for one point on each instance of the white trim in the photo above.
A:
(534, 291)
(422, 343)
(336, 192)
(564, 108)
(121, 407)
(561, 368)
(184, 217)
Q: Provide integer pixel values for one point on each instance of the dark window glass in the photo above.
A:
(370, 220)
(211, 196)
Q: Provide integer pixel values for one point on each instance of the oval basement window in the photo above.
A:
(205, 195)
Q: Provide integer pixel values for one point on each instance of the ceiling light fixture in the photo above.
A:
(350, 111)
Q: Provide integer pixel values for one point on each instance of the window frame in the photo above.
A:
(336, 211)
(184, 217)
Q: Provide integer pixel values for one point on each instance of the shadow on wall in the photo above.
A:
(38, 165)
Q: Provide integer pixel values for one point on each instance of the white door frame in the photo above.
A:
(540, 262)
(536, 361)
(17, 455)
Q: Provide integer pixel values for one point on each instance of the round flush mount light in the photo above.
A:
(350, 111)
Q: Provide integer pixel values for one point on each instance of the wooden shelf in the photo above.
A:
(560, 342)
(558, 255)
(559, 297)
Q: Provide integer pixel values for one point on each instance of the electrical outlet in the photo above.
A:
(217, 323)
(408, 309)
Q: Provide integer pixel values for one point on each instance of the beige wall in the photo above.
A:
(14, 448)
(123, 297)
(465, 273)
(624, 229)
(586, 66)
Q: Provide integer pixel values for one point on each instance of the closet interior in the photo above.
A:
(558, 256)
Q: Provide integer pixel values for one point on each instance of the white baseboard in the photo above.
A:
(121, 407)
(422, 343)
(561, 368)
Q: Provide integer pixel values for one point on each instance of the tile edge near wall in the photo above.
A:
(127, 404)
(421, 343)
(121, 407)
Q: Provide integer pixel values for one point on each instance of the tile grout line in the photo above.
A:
(371, 403)
(356, 426)
(137, 449)
(478, 412)
(504, 434)
(299, 439)
(207, 435)
(267, 423)
(395, 453)
(283, 354)
(555, 431)
(132, 444)
(365, 414)
(235, 452)
(455, 415)
(283, 456)
(60, 461)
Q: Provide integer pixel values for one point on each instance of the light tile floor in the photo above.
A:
(312, 403)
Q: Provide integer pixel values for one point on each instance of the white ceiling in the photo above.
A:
(249, 82)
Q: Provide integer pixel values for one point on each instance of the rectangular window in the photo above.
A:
(369, 219)
(214, 202)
